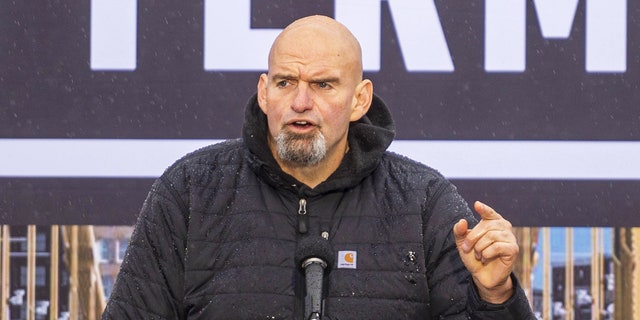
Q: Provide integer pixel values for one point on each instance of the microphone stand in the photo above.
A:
(314, 254)
(314, 269)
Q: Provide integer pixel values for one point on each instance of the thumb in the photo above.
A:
(460, 230)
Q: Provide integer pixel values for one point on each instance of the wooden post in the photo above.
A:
(55, 272)
(525, 272)
(569, 279)
(74, 308)
(4, 268)
(635, 279)
(546, 274)
(625, 298)
(91, 314)
(596, 252)
(31, 272)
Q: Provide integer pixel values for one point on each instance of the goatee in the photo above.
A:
(301, 150)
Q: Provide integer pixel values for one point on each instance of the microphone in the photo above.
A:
(314, 255)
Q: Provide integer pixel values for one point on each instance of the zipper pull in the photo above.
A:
(303, 219)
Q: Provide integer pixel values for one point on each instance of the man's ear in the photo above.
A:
(262, 92)
(362, 100)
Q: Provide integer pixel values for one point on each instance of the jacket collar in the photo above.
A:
(368, 139)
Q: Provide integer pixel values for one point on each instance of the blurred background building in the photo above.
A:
(59, 272)
(581, 273)
(67, 272)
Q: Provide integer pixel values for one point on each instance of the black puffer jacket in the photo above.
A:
(217, 235)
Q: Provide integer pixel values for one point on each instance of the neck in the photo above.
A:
(313, 175)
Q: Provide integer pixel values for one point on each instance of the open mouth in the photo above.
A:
(302, 124)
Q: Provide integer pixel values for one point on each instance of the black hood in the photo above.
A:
(368, 139)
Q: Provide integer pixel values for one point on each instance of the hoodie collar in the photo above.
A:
(368, 139)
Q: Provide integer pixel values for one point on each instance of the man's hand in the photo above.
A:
(489, 251)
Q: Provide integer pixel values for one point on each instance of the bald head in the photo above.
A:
(310, 95)
(314, 35)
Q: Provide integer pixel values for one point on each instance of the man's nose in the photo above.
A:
(302, 101)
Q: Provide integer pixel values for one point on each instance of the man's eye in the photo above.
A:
(323, 85)
(282, 83)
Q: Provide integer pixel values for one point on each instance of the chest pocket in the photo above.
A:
(380, 268)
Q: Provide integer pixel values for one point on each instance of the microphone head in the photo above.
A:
(314, 247)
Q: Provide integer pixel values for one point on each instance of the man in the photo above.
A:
(217, 236)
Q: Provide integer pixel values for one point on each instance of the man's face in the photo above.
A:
(309, 99)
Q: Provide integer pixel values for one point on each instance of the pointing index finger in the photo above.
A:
(486, 212)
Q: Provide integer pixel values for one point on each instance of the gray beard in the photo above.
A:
(301, 150)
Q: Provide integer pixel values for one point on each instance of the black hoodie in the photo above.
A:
(217, 236)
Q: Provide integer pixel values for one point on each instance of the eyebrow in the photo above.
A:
(329, 79)
(280, 76)
(286, 76)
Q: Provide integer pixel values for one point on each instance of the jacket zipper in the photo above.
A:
(303, 228)
(303, 218)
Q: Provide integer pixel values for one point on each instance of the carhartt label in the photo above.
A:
(347, 259)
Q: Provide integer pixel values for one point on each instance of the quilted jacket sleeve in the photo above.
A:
(150, 282)
(453, 294)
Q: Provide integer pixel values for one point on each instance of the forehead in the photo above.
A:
(287, 66)
(313, 48)
(291, 65)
